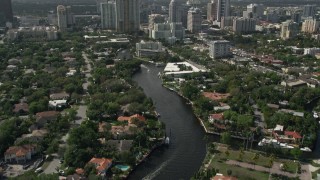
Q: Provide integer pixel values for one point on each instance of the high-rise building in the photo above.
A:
(69, 14)
(212, 10)
(254, 11)
(183, 10)
(309, 10)
(6, 14)
(244, 25)
(99, 5)
(168, 31)
(62, 17)
(310, 25)
(296, 17)
(219, 49)
(108, 15)
(194, 20)
(128, 15)
(227, 22)
(174, 13)
(223, 9)
(289, 29)
(155, 18)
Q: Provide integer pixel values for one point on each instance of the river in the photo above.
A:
(184, 156)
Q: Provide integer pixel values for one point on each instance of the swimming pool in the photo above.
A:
(122, 167)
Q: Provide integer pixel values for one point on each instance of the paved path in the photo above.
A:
(54, 164)
(306, 175)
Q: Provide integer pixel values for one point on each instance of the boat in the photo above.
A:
(167, 141)
(157, 114)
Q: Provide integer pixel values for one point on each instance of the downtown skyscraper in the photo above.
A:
(174, 12)
(121, 15)
(127, 15)
(6, 14)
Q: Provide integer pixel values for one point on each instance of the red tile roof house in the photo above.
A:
(20, 154)
(131, 118)
(292, 137)
(102, 165)
(218, 121)
(215, 96)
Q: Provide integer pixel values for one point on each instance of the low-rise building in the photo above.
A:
(21, 108)
(147, 49)
(59, 96)
(101, 164)
(20, 154)
(35, 137)
(216, 96)
(130, 119)
(42, 118)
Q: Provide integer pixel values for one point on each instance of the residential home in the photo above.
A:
(216, 118)
(101, 164)
(20, 154)
(59, 96)
(294, 113)
(58, 103)
(130, 119)
(293, 83)
(221, 107)
(35, 137)
(282, 136)
(219, 176)
(215, 96)
(120, 131)
(273, 106)
(21, 108)
(42, 118)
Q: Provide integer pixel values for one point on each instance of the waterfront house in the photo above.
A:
(120, 131)
(215, 96)
(219, 176)
(222, 107)
(102, 165)
(20, 154)
(130, 119)
(216, 118)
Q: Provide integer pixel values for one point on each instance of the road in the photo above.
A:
(81, 116)
(87, 72)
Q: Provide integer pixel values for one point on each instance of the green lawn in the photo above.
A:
(241, 173)
(247, 157)
(261, 161)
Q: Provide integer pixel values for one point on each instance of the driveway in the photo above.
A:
(54, 164)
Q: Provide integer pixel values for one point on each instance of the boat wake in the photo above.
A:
(156, 172)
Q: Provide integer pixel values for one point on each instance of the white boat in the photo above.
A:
(167, 141)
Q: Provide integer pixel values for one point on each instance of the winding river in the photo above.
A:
(187, 150)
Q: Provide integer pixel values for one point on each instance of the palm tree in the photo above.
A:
(270, 163)
(227, 153)
(255, 158)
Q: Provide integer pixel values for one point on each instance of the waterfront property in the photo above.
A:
(181, 68)
(101, 164)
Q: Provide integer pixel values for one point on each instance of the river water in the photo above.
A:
(187, 147)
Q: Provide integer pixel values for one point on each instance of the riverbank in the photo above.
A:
(200, 119)
(183, 157)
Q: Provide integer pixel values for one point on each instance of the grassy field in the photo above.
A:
(248, 158)
(241, 173)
